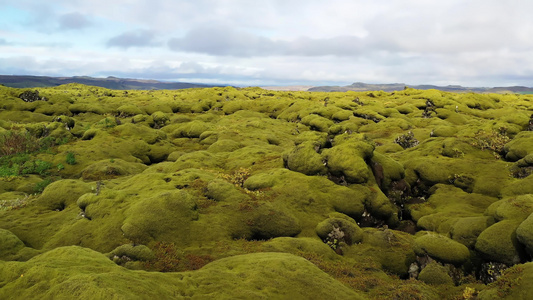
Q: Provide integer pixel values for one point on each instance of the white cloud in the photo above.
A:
(474, 42)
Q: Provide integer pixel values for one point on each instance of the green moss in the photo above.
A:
(54, 196)
(69, 271)
(129, 252)
(441, 248)
(191, 129)
(347, 160)
(520, 146)
(128, 110)
(435, 273)
(466, 230)
(513, 208)
(499, 243)
(352, 233)
(524, 233)
(316, 122)
(146, 219)
(392, 249)
(304, 158)
(107, 169)
(10, 244)
(224, 145)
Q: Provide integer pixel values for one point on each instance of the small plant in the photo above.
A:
(16, 142)
(407, 140)
(334, 238)
(494, 141)
(71, 158)
(60, 167)
(39, 187)
(18, 203)
(238, 177)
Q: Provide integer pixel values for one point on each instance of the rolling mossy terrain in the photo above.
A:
(253, 194)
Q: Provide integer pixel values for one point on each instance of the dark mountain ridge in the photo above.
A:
(24, 81)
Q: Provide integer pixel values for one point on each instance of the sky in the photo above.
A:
(475, 43)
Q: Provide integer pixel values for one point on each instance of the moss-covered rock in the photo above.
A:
(348, 161)
(441, 248)
(304, 158)
(62, 193)
(520, 146)
(68, 271)
(10, 244)
(130, 252)
(466, 230)
(352, 233)
(499, 243)
(392, 249)
(111, 168)
(524, 234)
(147, 219)
(435, 273)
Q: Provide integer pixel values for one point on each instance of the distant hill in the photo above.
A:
(109, 82)
(363, 87)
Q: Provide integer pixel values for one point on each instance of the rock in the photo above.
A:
(441, 248)
(499, 243)
(435, 273)
(524, 234)
(352, 234)
(30, 96)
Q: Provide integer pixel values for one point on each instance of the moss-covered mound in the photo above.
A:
(247, 193)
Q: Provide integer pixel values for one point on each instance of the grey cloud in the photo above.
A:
(225, 41)
(73, 21)
(3, 42)
(140, 38)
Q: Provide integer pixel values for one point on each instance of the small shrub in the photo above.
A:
(494, 141)
(407, 140)
(71, 158)
(238, 177)
(15, 142)
(39, 187)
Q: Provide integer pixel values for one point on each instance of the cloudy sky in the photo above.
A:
(272, 42)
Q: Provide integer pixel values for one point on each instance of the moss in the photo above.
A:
(392, 249)
(304, 158)
(512, 208)
(191, 129)
(466, 230)
(221, 190)
(10, 244)
(386, 170)
(128, 110)
(524, 234)
(111, 168)
(513, 284)
(268, 222)
(435, 273)
(316, 122)
(441, 248)
(520, 146)
(160, 119)
(86, 274)
(352, 233)
(348, 161)
(298, 245)
(224, 145)
(131, 252)
(499, 243)
(146, 220)
(55, 198)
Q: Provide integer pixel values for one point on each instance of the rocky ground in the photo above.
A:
(250, 193)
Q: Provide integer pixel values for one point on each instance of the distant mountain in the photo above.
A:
(363, 87)
(109, 82)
